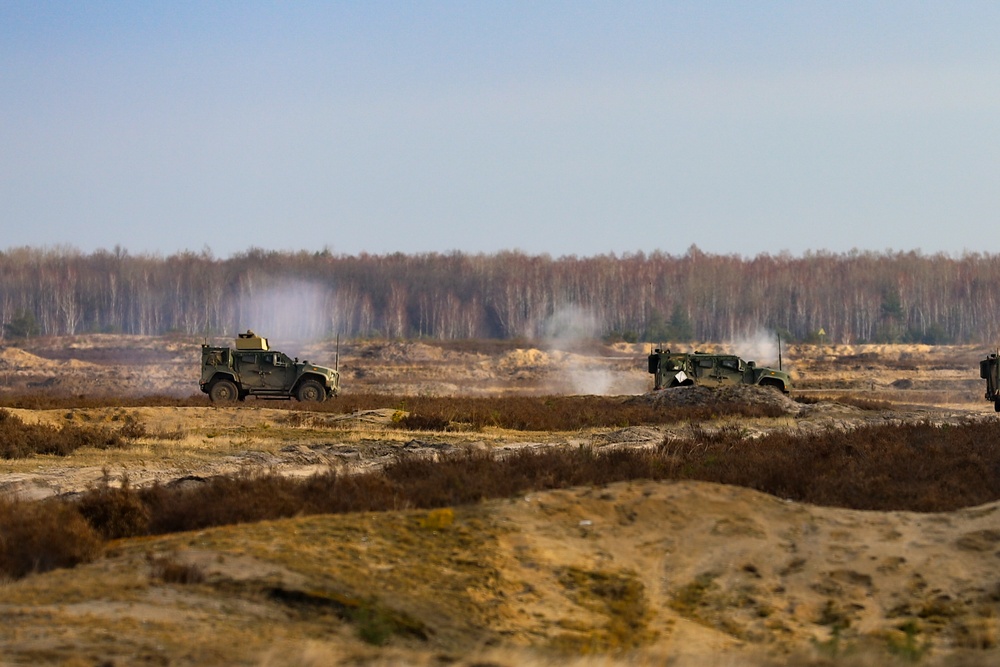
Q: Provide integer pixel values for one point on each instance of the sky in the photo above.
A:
(546, 127)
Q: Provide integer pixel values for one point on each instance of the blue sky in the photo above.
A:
(566, 128)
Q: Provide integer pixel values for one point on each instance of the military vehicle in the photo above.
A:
(253, 369)
(680, 369)
(989, 370)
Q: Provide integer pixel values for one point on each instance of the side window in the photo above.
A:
(705, 363)
(248, 360)
(731, 364)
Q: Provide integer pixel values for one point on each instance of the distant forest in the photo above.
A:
(855, 297)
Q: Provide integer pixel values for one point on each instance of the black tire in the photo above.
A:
(996, 405)
(771, 384)
(223, 391)
(311, 391)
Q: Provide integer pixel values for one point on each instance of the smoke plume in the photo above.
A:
(289, 313)
(569, 333)
(760, 346)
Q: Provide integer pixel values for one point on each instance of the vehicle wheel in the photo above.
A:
(996, 405)
(311, 391)
(773, 385)
(223, 391)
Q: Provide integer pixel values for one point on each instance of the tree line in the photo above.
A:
(851, 297)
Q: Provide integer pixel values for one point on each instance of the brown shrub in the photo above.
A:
(523, 413)
(915, 467)
(41, 536)
(918, 467)
(20, 440)
(132, 429)
(114, 512)
(225, 500)
(846, 399)
(548, 413)
(62, 400)
(418, 422)
(258, 497)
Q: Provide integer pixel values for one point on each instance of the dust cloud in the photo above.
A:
(289, 313)
(564, 334)
(760, 346)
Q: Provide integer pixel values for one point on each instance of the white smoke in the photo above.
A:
(562, 334)
(289, 313)
(760, 346)
(569, 326)
(571, 335)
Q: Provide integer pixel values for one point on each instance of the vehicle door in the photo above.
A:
(704, 370)
(669, 371)
(729, 370)
(212, 361)
(276, 370)
(249, 368)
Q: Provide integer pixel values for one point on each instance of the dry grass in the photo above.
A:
(917, 467)
(55, 400)
(858, 401)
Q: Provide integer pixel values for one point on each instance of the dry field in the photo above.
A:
(648, 573)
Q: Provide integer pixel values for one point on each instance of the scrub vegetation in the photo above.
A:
(914, 467)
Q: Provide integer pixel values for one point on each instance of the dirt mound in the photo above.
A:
(701, 395)
(401, 352)
(524, 359)
(16, 359)
(648, 573)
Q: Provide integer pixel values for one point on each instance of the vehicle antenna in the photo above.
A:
(779, 352)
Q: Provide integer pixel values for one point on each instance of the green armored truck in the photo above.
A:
(681, 369)
(253, 369)
(989, 370)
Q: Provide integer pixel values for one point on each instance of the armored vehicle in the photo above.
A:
(253, 369)
(679, 369)
(989, 370)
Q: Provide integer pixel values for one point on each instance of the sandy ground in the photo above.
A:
(702, 574)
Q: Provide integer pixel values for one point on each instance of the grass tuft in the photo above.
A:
(170, 570)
